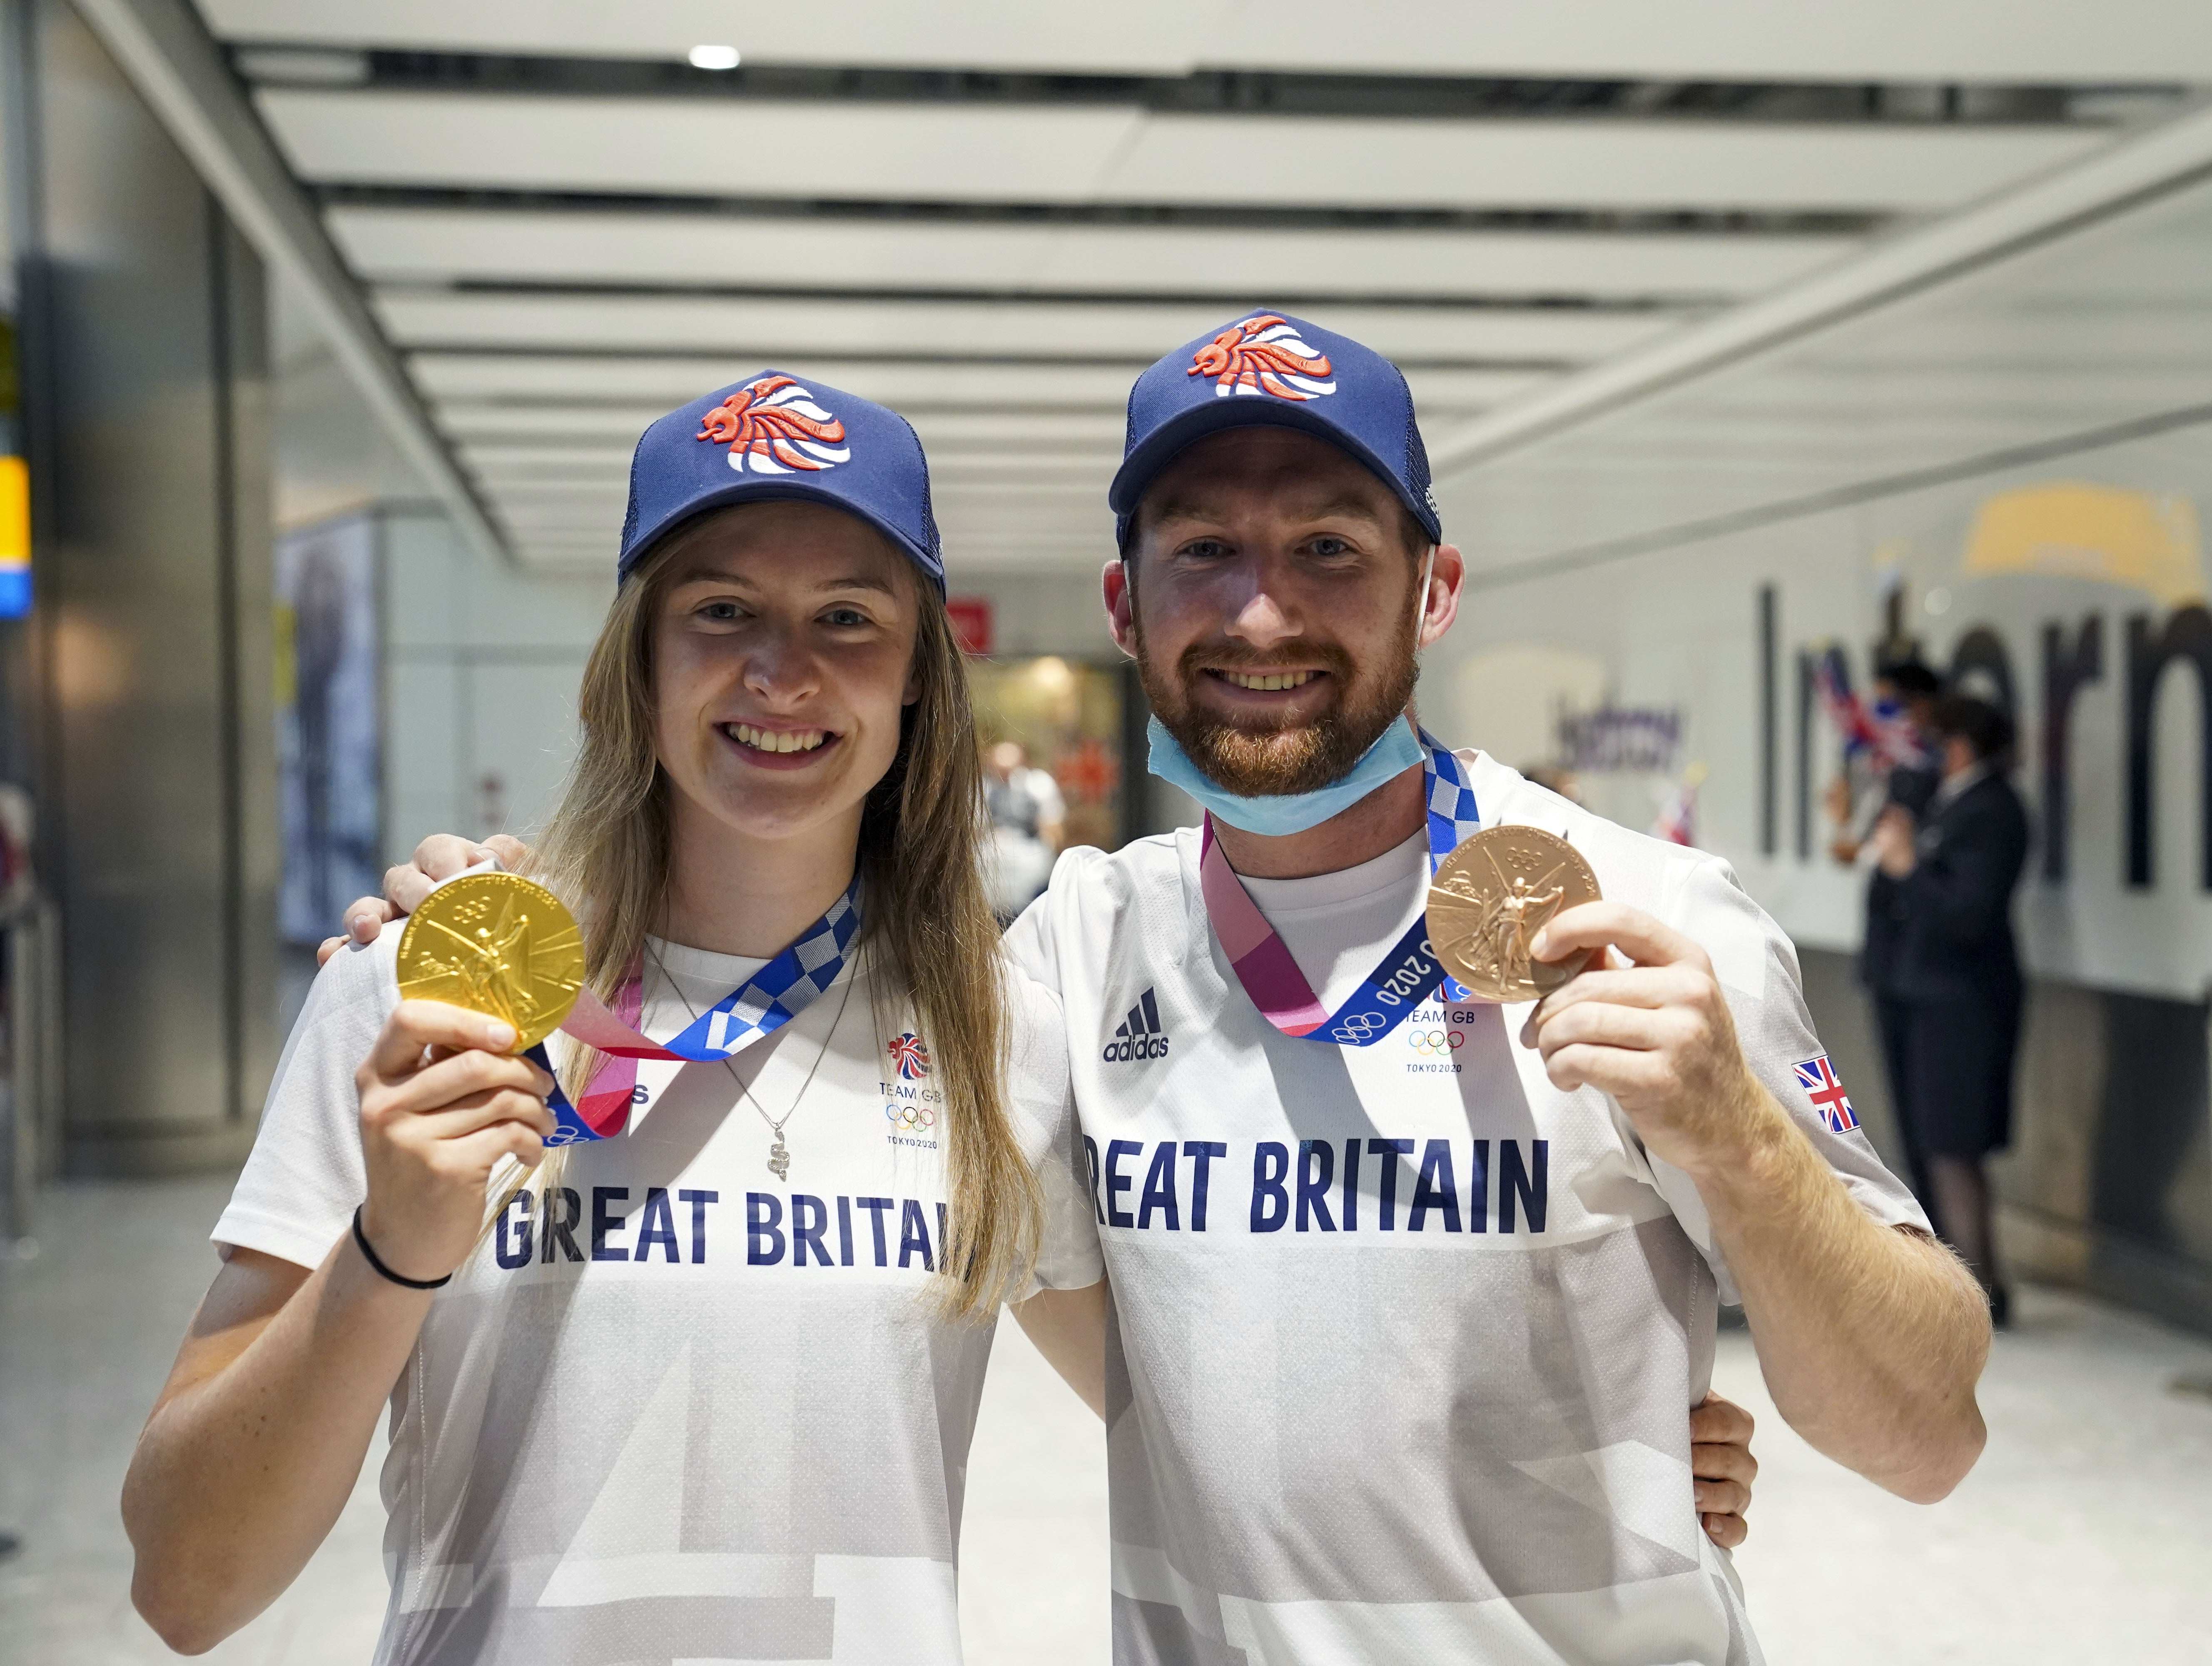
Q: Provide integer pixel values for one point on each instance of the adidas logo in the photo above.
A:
(1139, 1034)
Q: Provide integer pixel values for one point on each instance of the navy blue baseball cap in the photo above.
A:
(775, 436)
(1269, 368)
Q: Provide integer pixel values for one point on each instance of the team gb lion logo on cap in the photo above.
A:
(1263, 354)
(774, 426)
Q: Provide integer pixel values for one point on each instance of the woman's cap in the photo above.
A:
(1269, 368)
(775, 436)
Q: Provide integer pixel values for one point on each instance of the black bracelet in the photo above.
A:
(369, 1255)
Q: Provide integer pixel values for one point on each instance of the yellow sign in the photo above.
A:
(2075, 530)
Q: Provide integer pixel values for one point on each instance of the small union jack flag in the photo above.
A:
(1818, 1077)
(911, 1054)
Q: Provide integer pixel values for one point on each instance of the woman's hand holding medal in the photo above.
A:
(442, 1101)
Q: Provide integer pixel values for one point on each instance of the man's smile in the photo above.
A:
(1265, 681)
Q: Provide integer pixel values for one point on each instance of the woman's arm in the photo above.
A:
(259, 1435)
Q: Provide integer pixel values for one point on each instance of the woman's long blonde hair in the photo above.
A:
(927, 927)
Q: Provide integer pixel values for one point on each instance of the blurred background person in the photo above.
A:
(1028, 826)
(1890, 756)
(1946, 983)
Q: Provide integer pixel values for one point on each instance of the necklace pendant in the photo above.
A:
(779, 1159)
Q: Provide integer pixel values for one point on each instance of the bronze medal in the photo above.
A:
(1491, 895)
(497, 944)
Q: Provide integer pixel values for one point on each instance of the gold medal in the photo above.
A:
(497, 944)
(1491, 895)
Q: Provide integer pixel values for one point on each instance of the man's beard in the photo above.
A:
(1276, 759)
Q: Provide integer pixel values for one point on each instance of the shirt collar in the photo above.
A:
(1955, 787)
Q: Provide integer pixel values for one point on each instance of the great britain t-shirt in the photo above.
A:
(681, 1410)
(1407, 1338)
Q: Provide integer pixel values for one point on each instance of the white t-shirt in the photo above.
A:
(1406, 1337)
(691, 1412)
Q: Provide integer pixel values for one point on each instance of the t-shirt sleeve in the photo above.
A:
(1042, 1095)
(1757, 966)
(304, 1178)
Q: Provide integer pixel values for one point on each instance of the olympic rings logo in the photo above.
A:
(1357, 1027)
(1433, 1043)
(910, 1118)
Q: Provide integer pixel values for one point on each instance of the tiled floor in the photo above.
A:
(2086, 1534)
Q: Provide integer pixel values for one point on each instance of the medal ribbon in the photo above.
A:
(1408, 975)
(757, 1008)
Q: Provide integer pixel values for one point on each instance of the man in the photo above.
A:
(1410, 1294)
(1950, 1004)
(1029, 824)
(1401, 1349)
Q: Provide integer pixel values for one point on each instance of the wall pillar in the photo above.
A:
(144, 323)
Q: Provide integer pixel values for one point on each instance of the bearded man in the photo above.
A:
(1410, 1293)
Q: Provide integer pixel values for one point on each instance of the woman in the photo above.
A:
(676, 1401)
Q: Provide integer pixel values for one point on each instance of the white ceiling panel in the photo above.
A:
(1081, 153)
(1142, 36)
(2008, 358)
(472, 421)
(585, 514)
(1904, 39)
(708, 146)
(545, 456)
(510, 468)
(677, 382)
(1524, 163)
(951, 431)
(767, 326)
(465, 419)
(1243, 265)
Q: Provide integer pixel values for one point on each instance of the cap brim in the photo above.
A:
(1180, 432)
(791, 491)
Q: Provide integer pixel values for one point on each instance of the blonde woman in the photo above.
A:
(702, 1390)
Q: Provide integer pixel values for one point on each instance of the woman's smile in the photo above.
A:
(777, 747)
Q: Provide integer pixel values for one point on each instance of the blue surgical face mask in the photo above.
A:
(1395, 751)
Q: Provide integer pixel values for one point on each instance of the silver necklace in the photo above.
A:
(779, 1156)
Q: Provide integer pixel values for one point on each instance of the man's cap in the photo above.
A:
(775, 436)
(1271, 368)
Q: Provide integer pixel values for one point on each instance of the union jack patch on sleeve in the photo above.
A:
(1818, 1077)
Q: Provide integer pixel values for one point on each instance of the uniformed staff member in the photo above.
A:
(1951, 1002)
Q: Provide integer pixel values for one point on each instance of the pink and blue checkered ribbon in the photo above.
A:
(1408, 975)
